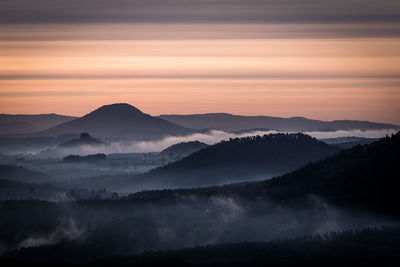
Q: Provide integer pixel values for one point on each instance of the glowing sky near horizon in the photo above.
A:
(280, 58)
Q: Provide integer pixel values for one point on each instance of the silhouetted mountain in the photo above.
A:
(183, 149)
(229, 122)
(238, 159)
(118, 120)
(84, 140)
(21, 174)
(22, 124)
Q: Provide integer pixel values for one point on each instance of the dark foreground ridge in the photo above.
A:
(368, 247)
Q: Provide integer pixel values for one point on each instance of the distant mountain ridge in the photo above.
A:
(229, 122)
(126, 121)
(22, 124)
(118, 120)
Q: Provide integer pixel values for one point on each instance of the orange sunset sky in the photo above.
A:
(265, 59)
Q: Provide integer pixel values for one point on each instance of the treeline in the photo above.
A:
(88, 158)
(367, 247)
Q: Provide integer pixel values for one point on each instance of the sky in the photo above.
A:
(313, 58)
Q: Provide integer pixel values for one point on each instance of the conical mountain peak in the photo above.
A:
(119, 120)
(116, 109)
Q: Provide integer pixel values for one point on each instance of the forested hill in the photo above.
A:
(310, 251)
(326, 250)
(240, 159)
(366, 176)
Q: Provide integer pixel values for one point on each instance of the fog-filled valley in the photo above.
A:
(76, 193)
(199, 133)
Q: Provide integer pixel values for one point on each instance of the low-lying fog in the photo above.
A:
(90, 227)
(210, 137)
(130, 228)
(134, 157)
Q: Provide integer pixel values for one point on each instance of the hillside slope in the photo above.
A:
(239, 159)
(365, 176)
